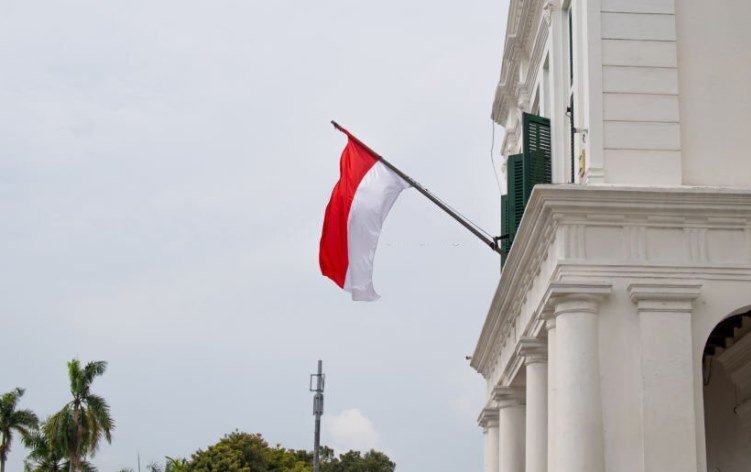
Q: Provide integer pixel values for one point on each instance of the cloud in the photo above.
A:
(351, 430)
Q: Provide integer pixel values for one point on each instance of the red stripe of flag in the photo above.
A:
(333, 254)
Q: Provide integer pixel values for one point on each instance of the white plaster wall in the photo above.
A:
(621, 381)
(622, 378)
(704, 242)
(714, 63)
(641, 130)
(728, 446)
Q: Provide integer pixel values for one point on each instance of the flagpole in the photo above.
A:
(490, 242)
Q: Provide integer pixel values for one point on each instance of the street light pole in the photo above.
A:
(320, 380)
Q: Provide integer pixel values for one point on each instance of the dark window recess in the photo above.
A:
(523, 172)
(573, 135)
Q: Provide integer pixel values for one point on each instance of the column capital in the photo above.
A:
(562, 297)
(663, 298)
(488, 418)
(533, 350)
(548, 314)
(549, 6)
(508, 396)
(574, 291)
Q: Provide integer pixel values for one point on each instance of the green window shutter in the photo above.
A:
(524, 171)
(515, 186)
(505, 243)
(537, 154)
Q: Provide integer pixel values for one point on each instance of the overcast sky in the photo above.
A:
(164, 169)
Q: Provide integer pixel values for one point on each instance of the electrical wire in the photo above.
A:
(492, 162)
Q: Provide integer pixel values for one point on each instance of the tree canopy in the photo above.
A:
(13, 420)
(243, 452)
(78, 428)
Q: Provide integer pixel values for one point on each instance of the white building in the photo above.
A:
(616, 340)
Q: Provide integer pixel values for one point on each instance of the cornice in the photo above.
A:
(508, 396)
(526, 35)
(663, 298)
(532, 350)
(552, 205)
(488, 417)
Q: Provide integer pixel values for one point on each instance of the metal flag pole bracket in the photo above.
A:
(491, 242)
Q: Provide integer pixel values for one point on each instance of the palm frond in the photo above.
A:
(9, 401)
(93, 370)
(99, 411)
(74, 375)
(60, 429)
(25, 418)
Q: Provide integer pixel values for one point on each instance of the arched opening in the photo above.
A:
(727, 395)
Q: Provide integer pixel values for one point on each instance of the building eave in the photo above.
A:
(538, 228)
(522, 29)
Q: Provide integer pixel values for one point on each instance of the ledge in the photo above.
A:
(551, 206)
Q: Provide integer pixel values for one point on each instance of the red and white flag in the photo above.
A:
(366, 191)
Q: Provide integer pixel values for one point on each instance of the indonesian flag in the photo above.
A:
(362, 198)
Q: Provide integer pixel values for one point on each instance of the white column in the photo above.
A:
(534, 352)
(489, 422)
(560, 99)
(667, 360)
(510, 428)
(550, 326)
(579, 433)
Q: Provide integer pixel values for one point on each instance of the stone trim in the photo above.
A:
(488, 417)
(664, 298)
(608, 208)
(526, 35)
(533, 351)
(509, 396)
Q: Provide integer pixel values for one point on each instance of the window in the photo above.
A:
(524, 171)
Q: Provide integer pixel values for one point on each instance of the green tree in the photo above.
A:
(13, 420)
(44, 458)
(355, 461)
(243, 452)
(235, 452)
(176, 465)
(78, 428)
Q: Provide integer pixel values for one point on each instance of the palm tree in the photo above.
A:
(12, 420)
(44, 458)
(80, 425)
(176, 465)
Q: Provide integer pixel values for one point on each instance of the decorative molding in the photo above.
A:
(637, 242)
(532, 350)
(594, 175)
(526, 36)
(550, 5)
(488, 417)
(663, 298)
(697, 243)
(508, 396)
(590, 293)
(551, 208)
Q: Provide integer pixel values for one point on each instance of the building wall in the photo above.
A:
(675, 263)
(641, 119)
(714, 63)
